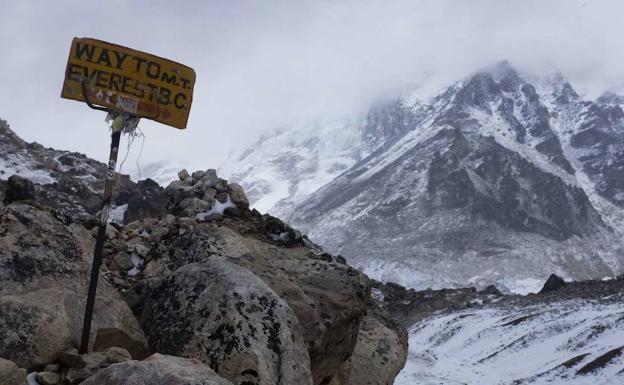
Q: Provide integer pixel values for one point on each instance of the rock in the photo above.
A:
(18, 189)
(140, 250)
(187, 222)
(183, 175)
(48, 378)
(153, 269)
(554, 282)
(233, 212)
(237, 194)
(134, 226)
(177, 191)
(148, 199)
(170, 220)
(193, 206)
(158, 369)
(51, 368)
(93, 362)
(11, 374)
(123, 261)
(71, 359)
(157, 234)
(43, 285)
(329, 299)
(111, 232)
(198, 175)
(210, 195)
(220, 185)
(491, 290)
(111, 340)
(225, 316)
(379, 355)
(211, 174)
(222, 197)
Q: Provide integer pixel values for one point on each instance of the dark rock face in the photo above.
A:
(554, 282)
(18, 189)
(600, 142)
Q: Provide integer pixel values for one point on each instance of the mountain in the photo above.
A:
(500, 178)
(297, 161)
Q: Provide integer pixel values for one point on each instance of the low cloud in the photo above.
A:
(265, 64)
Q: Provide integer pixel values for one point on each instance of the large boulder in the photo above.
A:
(379, 355)
(43, 285)
(157, 369)
(328, 298)
(225, 316)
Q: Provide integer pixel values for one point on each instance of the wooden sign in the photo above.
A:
(135, 82)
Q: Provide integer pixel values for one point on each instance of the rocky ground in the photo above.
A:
(195, 288)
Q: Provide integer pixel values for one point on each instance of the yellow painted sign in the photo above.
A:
(123, 79)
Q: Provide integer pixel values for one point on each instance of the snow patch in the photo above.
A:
(137, 262)
(117, 214)
(217, 208)
(526, 345)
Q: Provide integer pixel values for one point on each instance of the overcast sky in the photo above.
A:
(266, 64)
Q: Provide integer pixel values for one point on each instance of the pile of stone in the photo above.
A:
(204, 196)
(225, 294)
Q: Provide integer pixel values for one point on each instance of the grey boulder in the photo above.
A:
(43, 285)
(157, 369)
(228, 318)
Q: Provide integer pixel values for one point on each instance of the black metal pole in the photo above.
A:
(99, 243)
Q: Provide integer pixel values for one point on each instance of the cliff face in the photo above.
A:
(225, 294)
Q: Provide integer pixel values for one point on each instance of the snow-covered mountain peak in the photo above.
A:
(501, 177)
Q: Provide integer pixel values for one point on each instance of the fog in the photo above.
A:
(262, 65)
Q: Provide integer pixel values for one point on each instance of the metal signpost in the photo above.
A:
(128, 85)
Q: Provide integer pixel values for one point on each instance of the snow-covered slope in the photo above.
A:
(73, 182)
(295, 162)
(575, 341)
(502, 177)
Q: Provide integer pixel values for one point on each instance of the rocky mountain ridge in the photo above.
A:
(222, 293)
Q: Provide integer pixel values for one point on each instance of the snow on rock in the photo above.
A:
(217, 208)
(117, 213)
(19, 164)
